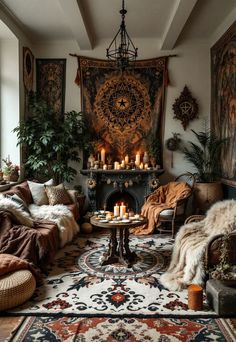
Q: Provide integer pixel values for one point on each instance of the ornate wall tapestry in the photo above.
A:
(123, 109)
(51, 82)
(223, 109)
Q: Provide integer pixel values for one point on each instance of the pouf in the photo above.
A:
(86, 227)
(16, 288)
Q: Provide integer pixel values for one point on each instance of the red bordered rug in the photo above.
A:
(124, 330)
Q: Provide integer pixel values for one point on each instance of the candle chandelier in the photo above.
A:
(122, 50)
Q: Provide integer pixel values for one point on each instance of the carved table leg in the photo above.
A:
(111, 257)
(131, 256)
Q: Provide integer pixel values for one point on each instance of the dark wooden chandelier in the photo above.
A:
(122, 50)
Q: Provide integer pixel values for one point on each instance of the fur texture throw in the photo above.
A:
(22, 216)
(59, 214)
(187, 264)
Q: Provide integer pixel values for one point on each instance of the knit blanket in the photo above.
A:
(165, 197)
(187, 261)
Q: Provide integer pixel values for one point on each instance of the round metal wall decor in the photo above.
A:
(185, 107)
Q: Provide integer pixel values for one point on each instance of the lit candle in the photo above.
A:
(137, 159)
(103, 155)
(105, 167)
(116, 210)
(126, 159)
(122, 163)
(146, 166)
(141, 166)
(116, 165)
(122, 209)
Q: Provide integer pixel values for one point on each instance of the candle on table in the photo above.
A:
(116, 210)
(137, 159)
(103, 155)
(122, 209)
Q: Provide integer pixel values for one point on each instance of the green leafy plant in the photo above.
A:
(205, 156)
(50, 141)
(153, 146)
(9, 168)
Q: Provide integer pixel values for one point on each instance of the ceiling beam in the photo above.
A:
(179, 16)
(76, 21)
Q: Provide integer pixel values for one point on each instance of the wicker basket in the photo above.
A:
(16, 288)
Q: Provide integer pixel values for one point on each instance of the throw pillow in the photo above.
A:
(38, 192)
(20, 203)
(57, 195)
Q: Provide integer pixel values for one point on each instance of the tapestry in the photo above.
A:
(223, 109)
(50, 75)
(123, 109)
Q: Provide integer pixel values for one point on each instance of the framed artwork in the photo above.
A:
(50, 76)
(28, 69)
(223, 98)
(123, 109)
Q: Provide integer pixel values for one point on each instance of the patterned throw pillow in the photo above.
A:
(57, 195)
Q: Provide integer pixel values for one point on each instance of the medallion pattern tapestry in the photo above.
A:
(123, 108)
(223, 116)
(51, 82)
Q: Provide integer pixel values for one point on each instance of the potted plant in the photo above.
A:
(153, 146)
(10, 171)
(205, 157)
(50, 142)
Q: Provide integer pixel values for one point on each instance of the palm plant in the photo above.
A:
(205, 156)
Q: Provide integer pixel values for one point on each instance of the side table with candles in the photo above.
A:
(118, 248)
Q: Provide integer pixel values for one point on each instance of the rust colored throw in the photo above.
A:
(164, 197)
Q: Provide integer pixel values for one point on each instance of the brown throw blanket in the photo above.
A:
(164, 197)
(24, 242)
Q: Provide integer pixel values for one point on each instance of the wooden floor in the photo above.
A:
(8, 325)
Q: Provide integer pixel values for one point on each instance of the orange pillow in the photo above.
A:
(10, 263)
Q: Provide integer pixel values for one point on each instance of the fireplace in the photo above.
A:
(107, 187)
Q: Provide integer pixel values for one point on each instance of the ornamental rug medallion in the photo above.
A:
(122, 109)
(76, 284)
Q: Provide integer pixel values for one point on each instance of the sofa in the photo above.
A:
(36, 219)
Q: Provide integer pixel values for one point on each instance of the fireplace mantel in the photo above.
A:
(102, 183)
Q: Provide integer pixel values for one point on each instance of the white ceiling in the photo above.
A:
(89, 21)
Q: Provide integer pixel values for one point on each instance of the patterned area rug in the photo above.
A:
(100, 329)
(77, 284)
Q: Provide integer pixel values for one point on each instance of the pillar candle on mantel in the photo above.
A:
(126, 159)
(116, 210)
(122, 209)
(137, 159)
(103, 155)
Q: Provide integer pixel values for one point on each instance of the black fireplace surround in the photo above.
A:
(107, 187)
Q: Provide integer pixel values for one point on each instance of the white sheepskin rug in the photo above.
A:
(187, 264)
(59, 214)
(22, 216)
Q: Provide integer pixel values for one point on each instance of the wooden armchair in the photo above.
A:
(177, 214)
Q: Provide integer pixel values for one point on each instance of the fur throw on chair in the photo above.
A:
(187, 264)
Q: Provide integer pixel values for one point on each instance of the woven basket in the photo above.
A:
(16, 288)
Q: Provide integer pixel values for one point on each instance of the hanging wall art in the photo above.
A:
(223, 94)
(51, 82)
(185, 107)
(123, 108)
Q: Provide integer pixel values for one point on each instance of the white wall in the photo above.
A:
(9, 90)
(191, 67)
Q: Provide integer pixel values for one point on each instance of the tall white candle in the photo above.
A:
(137, 159)
(126, 159)
(122, 209)
(116, 165)
(103, 155)
(116, 210)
